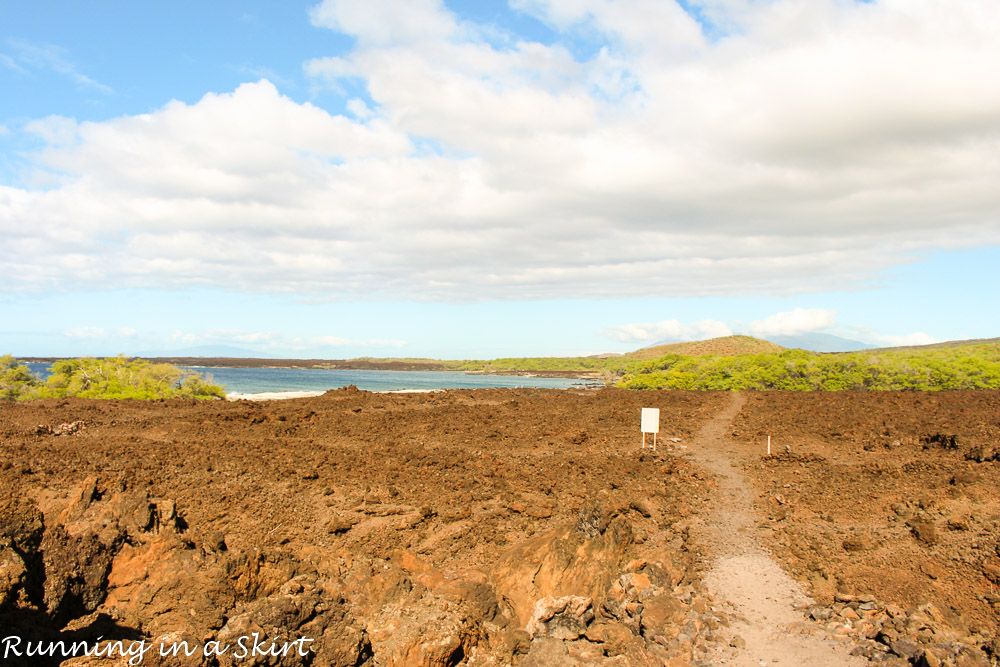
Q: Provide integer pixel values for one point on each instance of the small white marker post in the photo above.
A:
(650, 424)
(768, 445)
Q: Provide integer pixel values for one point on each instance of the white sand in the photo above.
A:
(280, 395)
(273, 395)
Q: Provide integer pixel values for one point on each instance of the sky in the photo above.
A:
(484, 179)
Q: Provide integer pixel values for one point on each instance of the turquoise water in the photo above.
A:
(259, 380)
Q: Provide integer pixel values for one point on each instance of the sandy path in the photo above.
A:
(744, 574)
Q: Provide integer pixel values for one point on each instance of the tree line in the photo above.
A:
(112, 377)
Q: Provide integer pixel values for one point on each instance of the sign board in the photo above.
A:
(650, 420)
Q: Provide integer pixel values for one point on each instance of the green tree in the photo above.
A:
(119, 377)
(16, 380)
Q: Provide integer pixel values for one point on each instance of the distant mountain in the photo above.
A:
(230, 351)
(819, 342)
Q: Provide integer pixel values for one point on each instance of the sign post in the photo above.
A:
(650, 424)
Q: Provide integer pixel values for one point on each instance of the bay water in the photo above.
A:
(268, 380)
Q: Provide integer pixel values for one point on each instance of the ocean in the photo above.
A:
(268, 380)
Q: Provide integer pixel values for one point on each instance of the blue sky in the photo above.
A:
(479, 179)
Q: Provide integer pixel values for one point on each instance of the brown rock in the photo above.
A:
(991, 569)
(905, 648)
(924, 531)
(76, 571)
(339, 523)
(615, 636)
(856, 543)
(21, 530)
(660, 612)
(847, 613)
(546, 652)
(538, 511)
(932, 570)
(559, 563)
(13, 573)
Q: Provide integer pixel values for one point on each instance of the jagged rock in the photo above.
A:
(68, 429)
(559, 563)
(21, 571)
(301, 618)
(561, 618)
(76, 571)
(593, 518)
(821, 613)
(982, 454)
(13, 571)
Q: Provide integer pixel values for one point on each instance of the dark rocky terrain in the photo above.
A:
(490, 527)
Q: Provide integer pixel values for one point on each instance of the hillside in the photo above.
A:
(727, 346)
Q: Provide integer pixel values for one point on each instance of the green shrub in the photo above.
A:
(16, 380)
(113, 377)
(960, 367)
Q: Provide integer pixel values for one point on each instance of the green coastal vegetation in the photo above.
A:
(964, 367)
(737, 363)
(113, 377)
(528, 364)
(734, 363)
(731, 363)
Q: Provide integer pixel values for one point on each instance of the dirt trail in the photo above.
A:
(743, 574)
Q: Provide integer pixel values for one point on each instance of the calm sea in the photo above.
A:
(260, 380)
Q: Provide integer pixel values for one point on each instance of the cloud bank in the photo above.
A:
(771, 148)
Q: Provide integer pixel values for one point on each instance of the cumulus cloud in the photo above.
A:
(793, 322)
(787, 147)
(668, 330)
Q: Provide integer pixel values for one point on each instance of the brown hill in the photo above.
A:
(729, 346)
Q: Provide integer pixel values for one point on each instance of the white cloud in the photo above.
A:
(40, 56)
(335, 341)
(668, 331)
(85, 332)
(274, 341)
(873, 337)
(813, 146)
(793, 322)
(788, 323)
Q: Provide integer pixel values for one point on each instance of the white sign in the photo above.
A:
(650, 420)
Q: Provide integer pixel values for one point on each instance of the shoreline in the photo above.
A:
(284, 395)
(430, 366)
